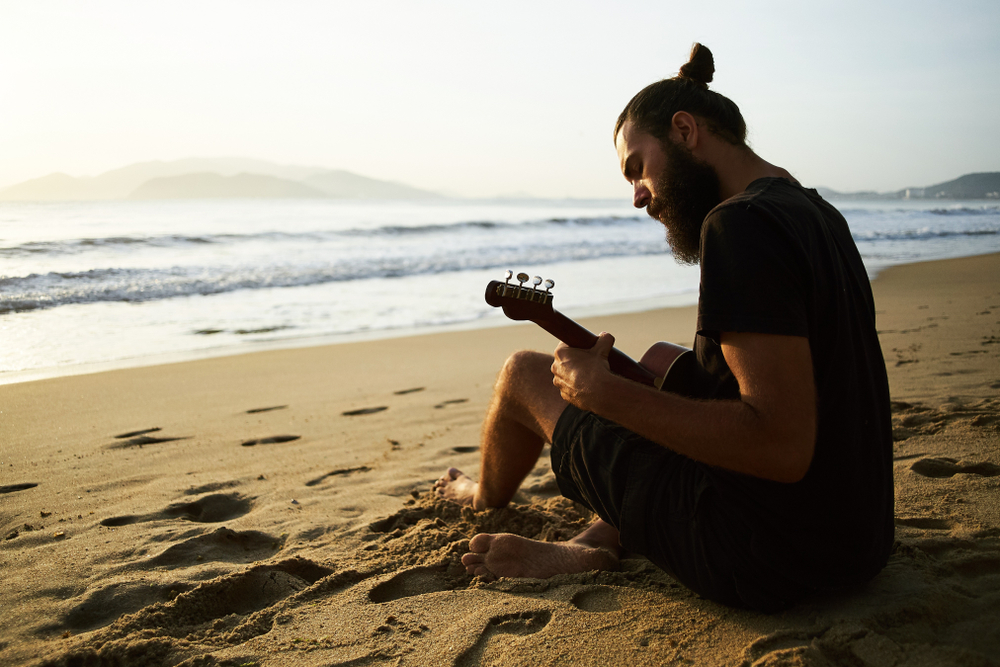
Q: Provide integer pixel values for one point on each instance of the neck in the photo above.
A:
(738, 167)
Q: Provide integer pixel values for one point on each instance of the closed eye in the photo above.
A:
(633, 169)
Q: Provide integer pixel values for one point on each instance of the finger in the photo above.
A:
(604, 344)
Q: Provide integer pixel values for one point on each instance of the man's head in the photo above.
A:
(654, 136)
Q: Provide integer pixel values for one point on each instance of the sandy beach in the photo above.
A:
(274, 509)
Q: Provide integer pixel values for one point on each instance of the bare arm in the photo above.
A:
(770, 432)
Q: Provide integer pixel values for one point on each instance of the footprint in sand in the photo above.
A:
(408, 391)
(210, 509)
(599, 599)
(104, 605)
(444, 404)
(524, 623)
(464, 450)
(948, 467)
(418, 581)
(272, 440)
(401, 520)
(365, 411)
(254, 411)
(223, 544)
(961, 371)
(132, 434)
(232, 598)
(140, 438)
(11, 488)
(333, 473)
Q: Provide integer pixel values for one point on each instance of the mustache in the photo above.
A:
(656, 208)
(659, 208)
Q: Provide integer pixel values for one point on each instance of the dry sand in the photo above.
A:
(233, 511)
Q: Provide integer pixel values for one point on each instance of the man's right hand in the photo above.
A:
(580, 374)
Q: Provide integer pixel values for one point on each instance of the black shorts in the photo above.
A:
(666, 509)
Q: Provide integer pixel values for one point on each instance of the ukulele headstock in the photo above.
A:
(520, 302)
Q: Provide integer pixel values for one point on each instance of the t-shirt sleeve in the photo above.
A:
(754, 277)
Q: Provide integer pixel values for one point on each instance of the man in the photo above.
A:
(775, 479)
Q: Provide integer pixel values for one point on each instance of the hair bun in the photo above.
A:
(700, 65)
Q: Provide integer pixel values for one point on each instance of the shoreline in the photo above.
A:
(679, 300)
(667, 302)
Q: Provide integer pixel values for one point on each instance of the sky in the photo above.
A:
(494, 99)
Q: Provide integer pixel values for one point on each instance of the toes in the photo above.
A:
(480, 543)
(471, 560)
(475, 565)
(449, 476)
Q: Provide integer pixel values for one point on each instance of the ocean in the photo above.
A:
(92, 285)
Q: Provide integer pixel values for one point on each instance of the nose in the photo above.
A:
(640, 195)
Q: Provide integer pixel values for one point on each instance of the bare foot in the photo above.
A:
(456, 486)
(506, 555)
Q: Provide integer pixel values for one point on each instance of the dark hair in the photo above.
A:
(653, 108)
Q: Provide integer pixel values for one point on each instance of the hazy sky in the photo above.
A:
(482, 99)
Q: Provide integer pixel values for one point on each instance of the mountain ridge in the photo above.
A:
(980, 185)
(210, 178)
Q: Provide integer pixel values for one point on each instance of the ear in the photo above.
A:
(684, 129)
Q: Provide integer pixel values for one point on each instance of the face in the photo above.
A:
(672, 185)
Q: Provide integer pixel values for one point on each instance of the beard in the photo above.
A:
(685, 193)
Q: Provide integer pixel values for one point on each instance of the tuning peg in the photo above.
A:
(549, 284)
(521, 278)
(510, 274)
(536, 281)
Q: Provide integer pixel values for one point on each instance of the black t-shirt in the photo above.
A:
(778, 259)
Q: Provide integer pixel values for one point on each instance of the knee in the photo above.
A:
(525, 367)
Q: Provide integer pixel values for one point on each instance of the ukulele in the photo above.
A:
(664, 366)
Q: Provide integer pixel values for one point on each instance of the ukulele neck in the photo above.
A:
(575, 335)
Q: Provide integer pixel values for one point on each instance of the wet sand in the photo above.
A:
(274, 509)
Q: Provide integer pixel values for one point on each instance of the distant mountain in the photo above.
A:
(344, 184)
(131, 182)
(214, 186)
(48, 188)
(971, 186)
(984, 185)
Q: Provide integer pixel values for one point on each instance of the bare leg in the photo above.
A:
(520, 420)
(506, 555)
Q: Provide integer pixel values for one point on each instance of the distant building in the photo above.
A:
(914, 193)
